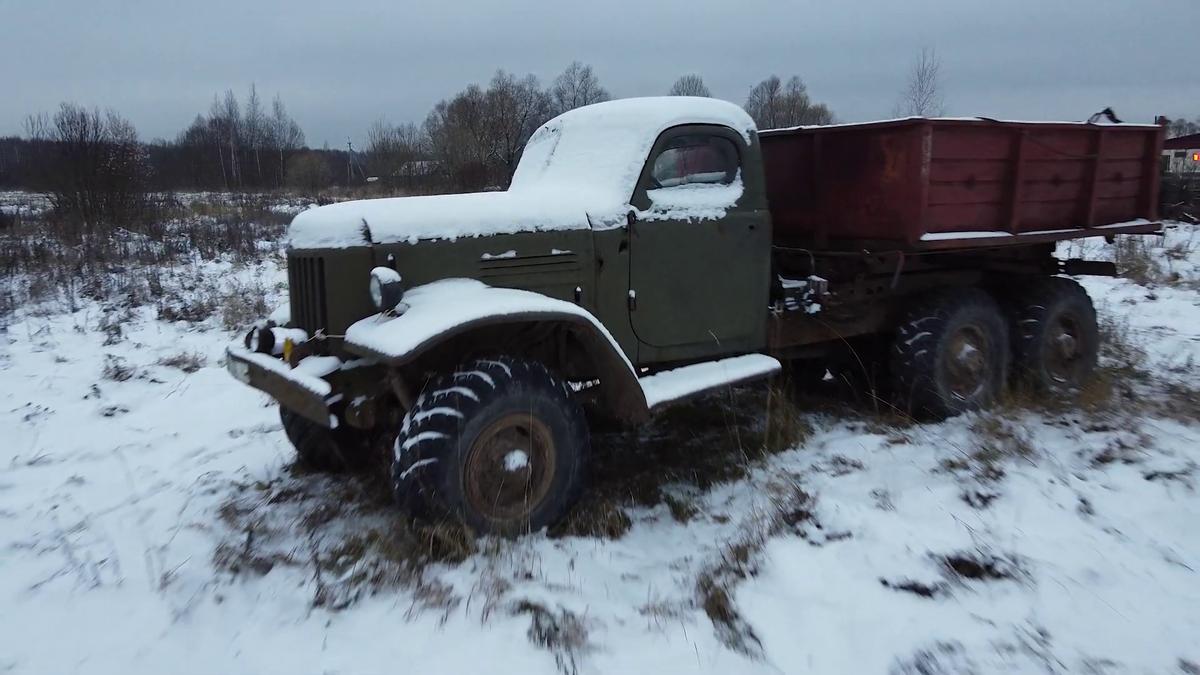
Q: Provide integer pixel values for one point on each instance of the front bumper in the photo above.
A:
(297, 389)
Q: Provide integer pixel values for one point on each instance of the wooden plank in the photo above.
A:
(1014, 203)
(1089, 217)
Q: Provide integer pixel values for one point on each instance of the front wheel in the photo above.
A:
(500, 444)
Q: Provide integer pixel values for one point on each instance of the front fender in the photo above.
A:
(438, 311)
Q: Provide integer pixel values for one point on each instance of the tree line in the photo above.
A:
(473, 140)
(93, 163)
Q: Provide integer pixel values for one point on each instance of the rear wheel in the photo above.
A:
(1056, 341)
(950, 354)
(500, 444)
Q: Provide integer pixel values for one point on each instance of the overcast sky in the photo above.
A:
(339, 64)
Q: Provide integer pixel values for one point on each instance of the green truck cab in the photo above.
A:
(631, 264)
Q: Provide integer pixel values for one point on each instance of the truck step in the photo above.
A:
(670, 386)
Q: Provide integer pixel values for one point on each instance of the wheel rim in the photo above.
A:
(509, 468)
(967, 358)
(1064, 349)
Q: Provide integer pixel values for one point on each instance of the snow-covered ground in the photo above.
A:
(151, 522)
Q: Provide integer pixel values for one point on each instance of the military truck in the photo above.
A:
(650, 250)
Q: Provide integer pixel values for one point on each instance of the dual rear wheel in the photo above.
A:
(956, 350)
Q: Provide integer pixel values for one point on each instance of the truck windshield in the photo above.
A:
(696, 159)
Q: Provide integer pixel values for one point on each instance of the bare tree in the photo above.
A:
(255, 130)
(457, 138)
(309, 173)
(922, 96)
(394, 152)
(773, 104)
(515, 108)
(286, 136)
(1182, 127)
(577, 86)
(96, 170)
(37, 126)
(477, 136)
(225, 123)
(690, 85)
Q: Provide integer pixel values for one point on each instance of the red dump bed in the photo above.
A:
(953, 183)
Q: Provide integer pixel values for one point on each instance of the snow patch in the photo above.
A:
(282, 315)
(516, 460)
(304, 378)
(671, 385)
(694, 201)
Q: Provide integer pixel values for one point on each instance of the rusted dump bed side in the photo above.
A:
(959, 183)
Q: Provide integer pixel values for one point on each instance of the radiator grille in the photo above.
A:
(306, 291)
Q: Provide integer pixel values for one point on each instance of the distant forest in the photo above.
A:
(470, 141)
(92, 161)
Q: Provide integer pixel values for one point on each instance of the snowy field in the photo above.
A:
(151, 521)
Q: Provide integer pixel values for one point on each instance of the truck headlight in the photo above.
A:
(261, 340)
(386, 287)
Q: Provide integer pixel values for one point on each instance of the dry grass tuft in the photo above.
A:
(117, 369)
(243, 304)
(594, 516)
(994, 442)
(1135, 261)
(706, 442)
(562, 633)
(344, 531)
(980, 565)
(188, 362)
(791, 508)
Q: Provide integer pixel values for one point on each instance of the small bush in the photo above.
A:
(1134, 260)
(116, 369)
(188, 362)
(49, 257)
(243, 304)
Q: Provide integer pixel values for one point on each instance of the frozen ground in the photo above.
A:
(151, 522)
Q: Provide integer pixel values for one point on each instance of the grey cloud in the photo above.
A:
(339, 65)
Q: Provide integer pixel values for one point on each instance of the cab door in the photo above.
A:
(700, 244)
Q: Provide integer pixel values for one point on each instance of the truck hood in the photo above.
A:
(409, 219)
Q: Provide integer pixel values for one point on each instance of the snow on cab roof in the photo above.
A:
(577, 171)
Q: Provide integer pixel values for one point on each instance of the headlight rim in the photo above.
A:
(260, 339)
(385, 288)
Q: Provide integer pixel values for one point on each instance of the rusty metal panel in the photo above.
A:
(892, 183)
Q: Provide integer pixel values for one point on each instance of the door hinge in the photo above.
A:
(632, 299)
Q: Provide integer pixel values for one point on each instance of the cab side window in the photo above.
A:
(695, 159)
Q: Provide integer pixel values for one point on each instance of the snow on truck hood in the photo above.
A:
(577, 171)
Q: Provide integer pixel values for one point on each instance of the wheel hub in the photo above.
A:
(967, 361)
(1064, 354)
(509, 468)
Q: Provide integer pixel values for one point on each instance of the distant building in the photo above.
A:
(1182, 154)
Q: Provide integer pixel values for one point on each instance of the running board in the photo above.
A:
(671, 386)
